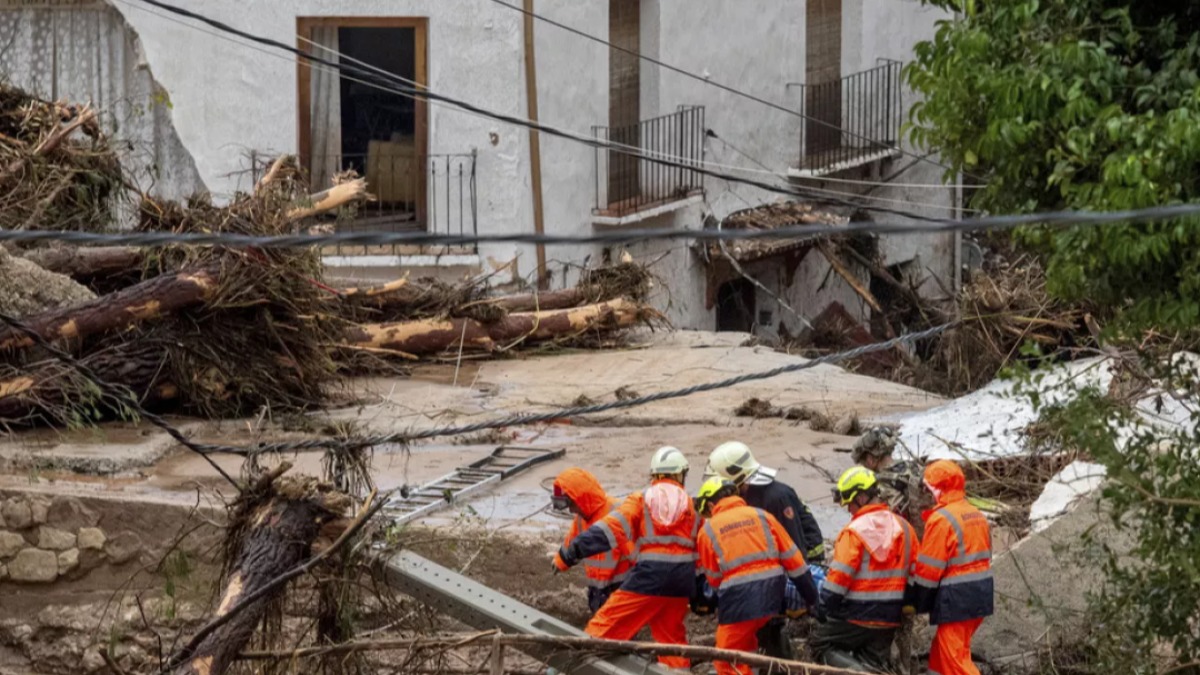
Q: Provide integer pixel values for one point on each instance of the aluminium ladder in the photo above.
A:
(503, 463)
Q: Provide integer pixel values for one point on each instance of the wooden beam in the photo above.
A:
(535, 145)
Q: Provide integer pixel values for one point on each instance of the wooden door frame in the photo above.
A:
(420, 26)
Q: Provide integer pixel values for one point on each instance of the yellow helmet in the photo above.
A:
(853, 482)
(712, 491)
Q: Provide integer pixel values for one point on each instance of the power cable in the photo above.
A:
(155, 239)
(853, 195)
(428, 94)
(704, 80)
(520, 419)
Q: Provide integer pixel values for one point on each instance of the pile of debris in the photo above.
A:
(217, 331)
(56, 166)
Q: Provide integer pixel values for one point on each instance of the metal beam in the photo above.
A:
(484, 609)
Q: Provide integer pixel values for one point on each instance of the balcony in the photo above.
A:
(850, 122)
(631, 188)
(414, 193)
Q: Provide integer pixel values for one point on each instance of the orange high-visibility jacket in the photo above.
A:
(747, 556)
(952, 579)
(868, 577)
(603, 569)
(664, 553)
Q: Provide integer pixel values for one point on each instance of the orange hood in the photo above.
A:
(583, 489)
(947, 481)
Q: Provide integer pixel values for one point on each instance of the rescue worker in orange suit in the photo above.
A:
(747, 556)
(578, 492)
(660, 523)
(864, 589)
(952, 579)
(734, 461)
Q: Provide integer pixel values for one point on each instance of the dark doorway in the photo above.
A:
(624, 97)
(823, 76)
(735, 306)
(347, 124)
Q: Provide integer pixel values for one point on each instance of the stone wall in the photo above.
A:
(44, 538)
(79, 574)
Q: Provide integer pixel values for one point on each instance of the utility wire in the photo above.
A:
(718, 85)
(841, 193)
(534, 418)
(428, 94)
(154, 239)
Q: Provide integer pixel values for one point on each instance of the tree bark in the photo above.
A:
(281, 536)
(43, 394)
(141, 302)
(536, 302)
(433, 336)
(82, 263)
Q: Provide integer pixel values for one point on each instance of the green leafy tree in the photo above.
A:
(1095, 105)
(1077, 104)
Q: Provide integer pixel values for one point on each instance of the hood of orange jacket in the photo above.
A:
(583, 489)
(947, 480)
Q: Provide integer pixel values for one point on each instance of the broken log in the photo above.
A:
(328, 200)
(45, 393)
(535, 302)
(272, 173)
(147, 300)
(279, 537)
(85, 263)
(432, 336)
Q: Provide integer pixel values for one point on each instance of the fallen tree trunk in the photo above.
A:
(141, 302)
(280, 536)
(433, 336)
(537, 302)
(46, 393)
(84, 262)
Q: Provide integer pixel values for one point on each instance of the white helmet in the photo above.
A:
(668, 460)
(734, 461)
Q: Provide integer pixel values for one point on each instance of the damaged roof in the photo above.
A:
(773, 216)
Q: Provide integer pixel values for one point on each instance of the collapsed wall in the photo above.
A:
(88, 52)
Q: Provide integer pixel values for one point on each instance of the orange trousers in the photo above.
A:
(742, 636)
(951, 650)
(626, 613)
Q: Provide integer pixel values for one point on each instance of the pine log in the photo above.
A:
(43, 393)
(281, 536)
(535, 302)
(141, 302)
(87, 262)
(431, 336)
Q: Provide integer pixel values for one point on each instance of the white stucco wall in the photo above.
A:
(229, 99)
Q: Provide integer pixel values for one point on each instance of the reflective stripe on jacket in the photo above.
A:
(952, 579)
(604, 569)
(747, 556)
(664, 556)
(869, 574)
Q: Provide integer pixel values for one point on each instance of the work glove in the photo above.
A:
(819, 613)
(564, 560)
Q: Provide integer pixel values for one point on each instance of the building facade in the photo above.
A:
(206, 111)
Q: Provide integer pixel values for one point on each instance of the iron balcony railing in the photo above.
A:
(413, 193)
(627, 182)
(850, 121)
